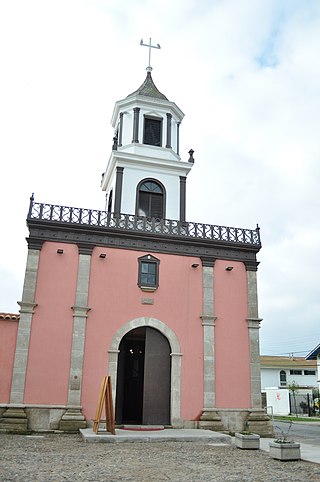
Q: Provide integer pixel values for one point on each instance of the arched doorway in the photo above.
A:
(143, 378)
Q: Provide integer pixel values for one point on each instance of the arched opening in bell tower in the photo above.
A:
(150, 199)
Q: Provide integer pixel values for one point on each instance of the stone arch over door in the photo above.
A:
(175, 396)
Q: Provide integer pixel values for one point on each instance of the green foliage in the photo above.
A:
(293, 387)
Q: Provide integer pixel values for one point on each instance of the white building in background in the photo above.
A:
(281, 371)
(277, 374)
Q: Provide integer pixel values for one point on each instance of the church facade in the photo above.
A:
(167, 308)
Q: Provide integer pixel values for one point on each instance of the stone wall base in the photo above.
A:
(72, 420)
(14, 419)
(236, 420)
(211, 420)
(259, 422)
(44, 418)
(41, 418)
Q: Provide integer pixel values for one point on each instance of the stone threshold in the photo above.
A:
(165, 435)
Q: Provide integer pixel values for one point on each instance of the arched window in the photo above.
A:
(150, 199)
(283, 378)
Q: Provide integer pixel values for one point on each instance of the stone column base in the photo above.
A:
(258, 422)
(14, 420)
(211, 420)
(72, 420)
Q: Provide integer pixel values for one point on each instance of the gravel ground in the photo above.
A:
(60, 457)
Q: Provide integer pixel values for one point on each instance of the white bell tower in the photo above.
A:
(145, 175)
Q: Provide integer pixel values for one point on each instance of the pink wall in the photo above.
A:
(51, 333)
(115, 299)
(9, 329)
(232, 360)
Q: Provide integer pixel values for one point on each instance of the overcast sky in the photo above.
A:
(246, 73)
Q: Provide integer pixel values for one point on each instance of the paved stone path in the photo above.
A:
(60, 457)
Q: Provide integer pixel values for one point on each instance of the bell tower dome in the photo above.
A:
(145, 175)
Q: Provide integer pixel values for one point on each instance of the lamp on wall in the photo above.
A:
(60, 251)
(102, 255)
(194, 265)
(229, 268)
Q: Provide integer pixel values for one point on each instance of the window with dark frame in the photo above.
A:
(283, 378)
(295, 372)
(150, 200)
(148, 272)
(152, 131)
(309, 372)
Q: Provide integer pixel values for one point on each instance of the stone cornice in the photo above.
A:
(87, 237)
(251, 265)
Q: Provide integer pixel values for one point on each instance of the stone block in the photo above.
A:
(72, 426)
(259, 422)
(193, 424)
(72, 421)
(14, 420)
(210, 420)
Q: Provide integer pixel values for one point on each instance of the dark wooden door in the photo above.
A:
(143, 379)
(133, 381)
(156, 387)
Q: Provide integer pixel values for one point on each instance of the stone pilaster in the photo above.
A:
(73, 419)
(183, 180)
(253, 327)
(176, 359)
(169, 118)
(14, 418)
(209, 419)
(118, 190)
(21, 354)
(135, 134)
(258, 421)
(112, 371)
(120, 130)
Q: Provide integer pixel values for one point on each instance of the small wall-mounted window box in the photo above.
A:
(148, 273)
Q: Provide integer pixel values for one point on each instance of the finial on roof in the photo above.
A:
(191, 159)
(150, 46)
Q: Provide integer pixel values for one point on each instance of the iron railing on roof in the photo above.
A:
(129, 222)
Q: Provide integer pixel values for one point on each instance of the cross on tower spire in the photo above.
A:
(150, 46)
